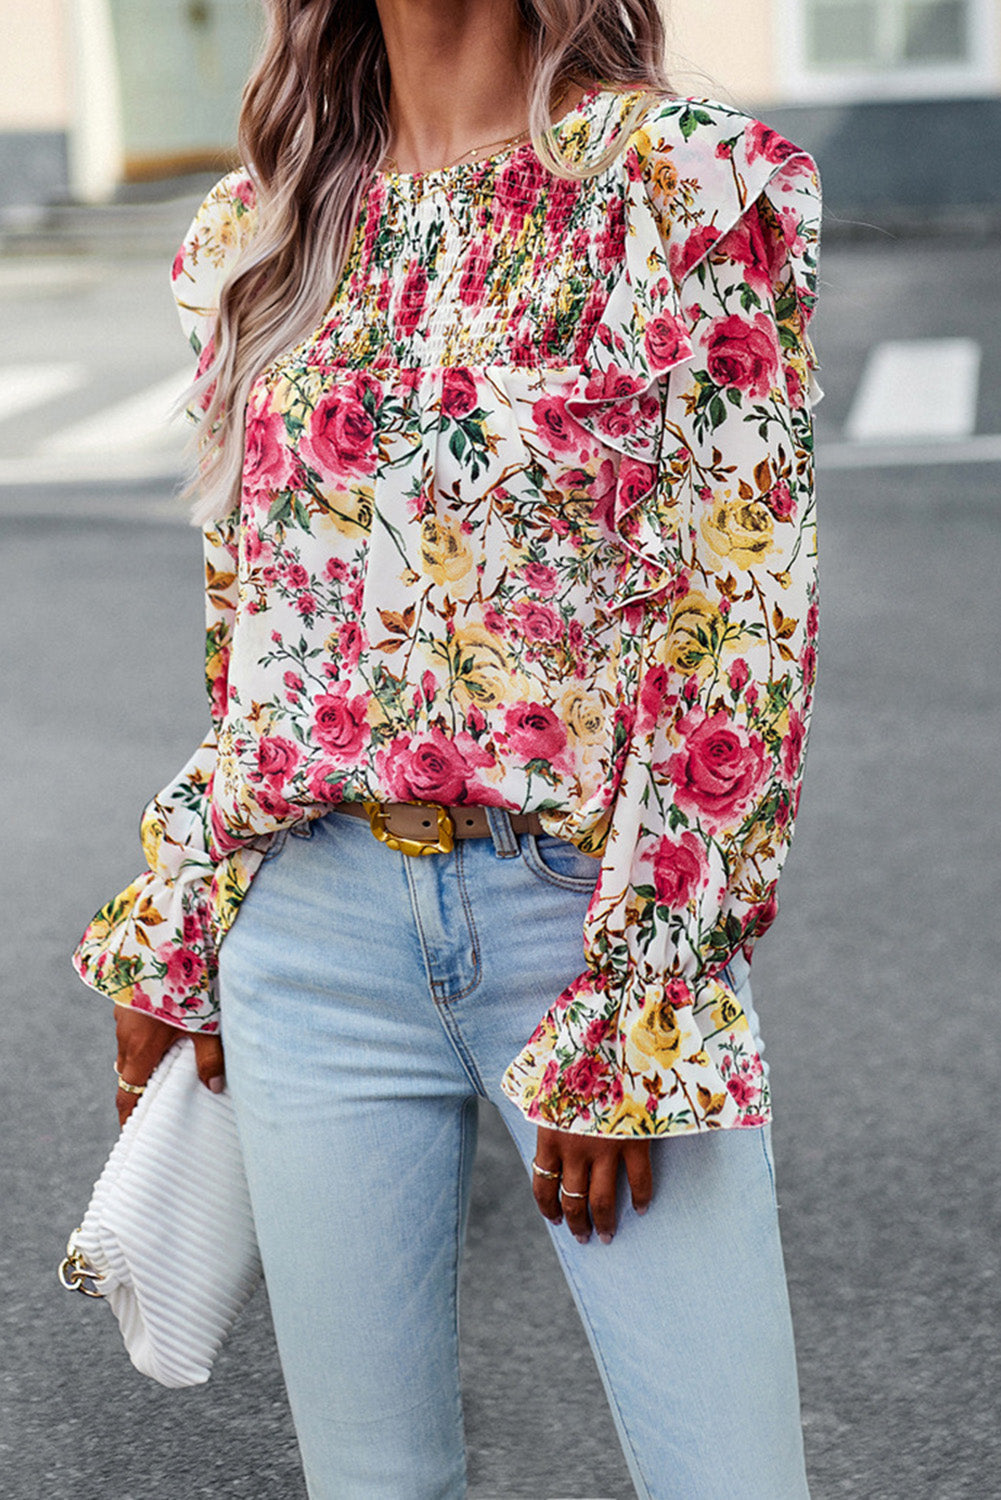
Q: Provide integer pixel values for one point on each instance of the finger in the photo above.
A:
(601, 1195)
(142, 1041)
(209, 1061)
(573, 1195)
(124, 1104)
(636, 1155)
(546, 1189)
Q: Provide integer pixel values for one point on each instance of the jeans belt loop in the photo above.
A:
(504, 837)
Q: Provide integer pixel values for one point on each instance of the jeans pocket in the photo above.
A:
(559, 863)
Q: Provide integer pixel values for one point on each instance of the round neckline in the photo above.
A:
(461, 169)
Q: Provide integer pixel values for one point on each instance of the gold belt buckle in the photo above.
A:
(441, 843)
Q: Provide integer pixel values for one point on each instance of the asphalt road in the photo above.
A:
(877, 988)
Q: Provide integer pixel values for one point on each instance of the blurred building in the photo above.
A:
(94, 93)
(900, 99)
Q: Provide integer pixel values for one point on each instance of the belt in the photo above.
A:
(430, 827)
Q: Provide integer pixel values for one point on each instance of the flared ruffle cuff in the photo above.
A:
(155, 946)
(641, 1059)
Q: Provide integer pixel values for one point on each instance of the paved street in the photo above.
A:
(877, 988)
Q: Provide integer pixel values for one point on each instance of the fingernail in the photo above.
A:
(217, 1084)
(606, 1239)
(559, 1220)
(644, 1209)
(582, 1239)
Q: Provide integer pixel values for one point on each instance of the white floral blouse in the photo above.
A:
(527, 521)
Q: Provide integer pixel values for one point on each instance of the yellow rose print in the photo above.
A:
(695, 624)
(481, 670)
(584, 715)
(740, 531)
(445, 554)
(657, 1034)
(630, 1118)
(348, 511)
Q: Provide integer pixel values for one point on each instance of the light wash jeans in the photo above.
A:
(368, 999)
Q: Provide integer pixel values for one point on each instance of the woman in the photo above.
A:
(510, 583)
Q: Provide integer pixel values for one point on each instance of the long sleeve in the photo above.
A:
(719, 620)
(154, 946)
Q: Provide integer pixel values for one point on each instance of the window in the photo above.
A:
(888, 48)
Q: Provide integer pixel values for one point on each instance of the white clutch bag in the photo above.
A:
(168, 1239)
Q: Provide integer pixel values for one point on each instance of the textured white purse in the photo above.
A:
(168, 1239)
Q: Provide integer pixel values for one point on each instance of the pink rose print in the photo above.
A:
(744, 1090)
(339, 437)
(586, 1077)
(636, 479)
(245, 193)
(517, 188)
(532, 730)
(411, 304)
(178, 266)
(430, 767)
(746, 243)
(540, 578)
(324, 785)
(269, 465)
(680, 870)
(744, 353)
(472, 285)
(458, 393)
(719, 771)
(341, 723)
(613, 236)
(219, 696)
(812, 622)
(185, 969)
(684, 256)
(666, 342)
(538, 622)
(277, 758)
(763, 141)
(794, 389)
(653, 698)
(350, 642)
(272, 802)
(780, 502)
(596, 1031)
(739, 675)
(792, 745)
(556, 427)
(676, 991)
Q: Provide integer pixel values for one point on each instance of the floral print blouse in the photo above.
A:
(528, 521)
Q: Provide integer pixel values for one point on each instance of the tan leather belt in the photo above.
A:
(429, 827)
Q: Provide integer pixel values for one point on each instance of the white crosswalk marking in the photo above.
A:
(130, 426)
(25, 386)
(917, 388)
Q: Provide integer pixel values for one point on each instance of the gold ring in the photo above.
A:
(129, 1088)
(567, 1194)
(542, 1171)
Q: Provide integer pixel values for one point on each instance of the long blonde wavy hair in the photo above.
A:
(313, 128)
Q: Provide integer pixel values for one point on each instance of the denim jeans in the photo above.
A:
(369, 999)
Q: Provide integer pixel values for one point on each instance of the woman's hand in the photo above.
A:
(142, 1042)
(588, 1165)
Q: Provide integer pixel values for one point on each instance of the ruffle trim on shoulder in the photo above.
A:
(693, 172)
